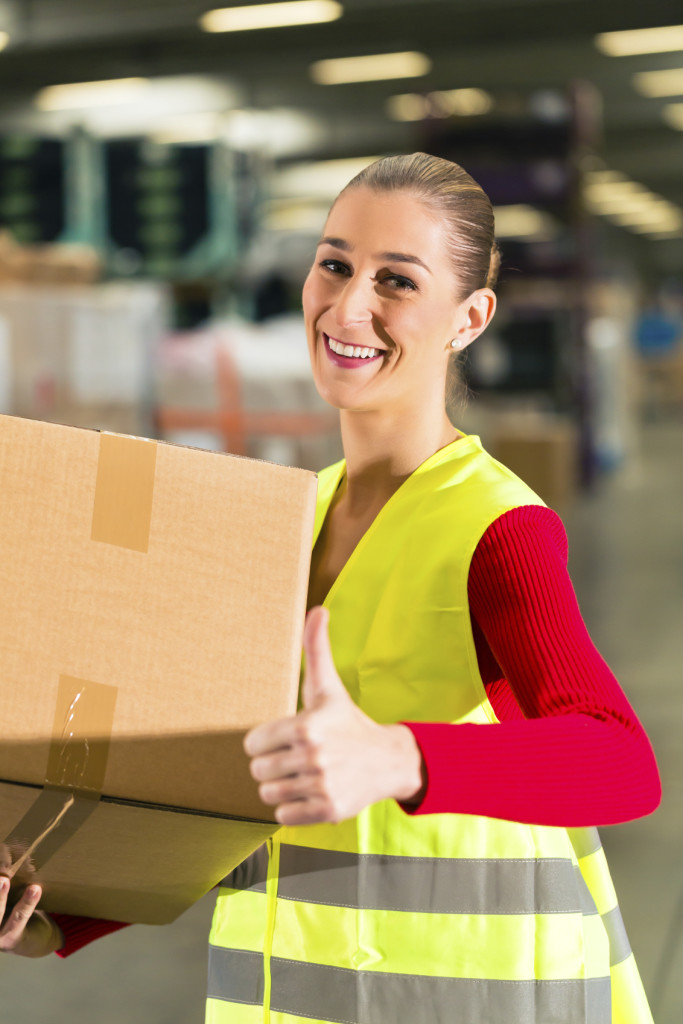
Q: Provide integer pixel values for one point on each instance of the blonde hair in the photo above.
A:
(449, 191)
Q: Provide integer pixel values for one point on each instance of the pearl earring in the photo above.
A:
(456, 343)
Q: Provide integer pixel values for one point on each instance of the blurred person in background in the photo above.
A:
(459, 736)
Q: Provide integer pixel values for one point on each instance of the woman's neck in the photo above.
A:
(382, 450)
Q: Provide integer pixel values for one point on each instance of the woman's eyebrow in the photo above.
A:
(393, 257)
(338, 243)
(404, 257)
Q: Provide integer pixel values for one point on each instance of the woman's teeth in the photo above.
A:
(352, 351)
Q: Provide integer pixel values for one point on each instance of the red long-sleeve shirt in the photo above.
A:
(569, 749)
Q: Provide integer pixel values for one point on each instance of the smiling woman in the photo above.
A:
(459, 736)
(407, 262)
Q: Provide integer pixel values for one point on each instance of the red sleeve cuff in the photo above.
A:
(80, 931)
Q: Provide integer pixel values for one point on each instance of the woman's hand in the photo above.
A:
(330, 761)
(27, 931)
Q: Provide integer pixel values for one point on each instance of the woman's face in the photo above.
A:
(380, 303)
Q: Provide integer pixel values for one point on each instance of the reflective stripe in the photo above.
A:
(374, 997)
(251, 873)
(619, 946)
(424, 885)
(235, 975)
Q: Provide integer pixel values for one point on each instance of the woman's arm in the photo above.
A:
(80, 931)
(569, 749)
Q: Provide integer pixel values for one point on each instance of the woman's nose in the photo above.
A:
(354, 302)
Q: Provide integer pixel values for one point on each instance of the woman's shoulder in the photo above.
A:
(524, 538)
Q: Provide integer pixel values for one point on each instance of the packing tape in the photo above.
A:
(76, 767)
(122, 510)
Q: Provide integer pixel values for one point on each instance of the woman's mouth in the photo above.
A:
(350, 355)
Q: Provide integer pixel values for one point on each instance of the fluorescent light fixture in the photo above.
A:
(674, 227)
(188, 128)
(661, 235)
(278, 15)
(4, 40)
(415, 106)
(462, 102)
(318, 180)
(631, 205)
(81, 95)
(522, 221)
(641, 40)
(673, 115)
(636, 196)
(660, 83)
(625, 210)
(656, 213)
(408, 106)
(278, 131)
(604, 175)
(374, 68)
(296, 216)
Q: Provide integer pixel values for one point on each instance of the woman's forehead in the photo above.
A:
(382, 222)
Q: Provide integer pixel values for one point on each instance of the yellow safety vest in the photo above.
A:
(431, 919)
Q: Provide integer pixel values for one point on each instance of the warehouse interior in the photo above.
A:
(165, 174)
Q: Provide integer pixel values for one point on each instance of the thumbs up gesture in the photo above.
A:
(330, 760)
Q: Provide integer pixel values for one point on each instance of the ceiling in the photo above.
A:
(501, 46)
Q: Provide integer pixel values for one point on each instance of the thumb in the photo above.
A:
(321, 679)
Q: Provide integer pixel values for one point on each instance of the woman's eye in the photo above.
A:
(398, 283)
(335, 266)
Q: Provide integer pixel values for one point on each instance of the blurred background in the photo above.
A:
(165, 170)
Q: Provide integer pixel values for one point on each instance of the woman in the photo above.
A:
(458, 731)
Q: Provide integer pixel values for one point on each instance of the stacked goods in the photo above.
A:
(247, 389)
(80, 355)
(48, 264)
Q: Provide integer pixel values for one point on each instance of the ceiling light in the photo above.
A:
(408, 106)
(374, 68)
(641, 40)
(627, 208)
(604, 175)
(278, 15)
(656, 213)
(661, 235)
(673, 114)
(296, 216)
(415, 106)
(616, 194)
(673, 228)
(660, 83)
(4, 40)
(522, 221)
(615, 186)
(631, 205)
(461, 102)
(320, 179)
(188, 128)
(79, 95)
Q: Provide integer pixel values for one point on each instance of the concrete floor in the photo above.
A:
(626, 543)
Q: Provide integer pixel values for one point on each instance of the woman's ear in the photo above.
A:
(474, 315)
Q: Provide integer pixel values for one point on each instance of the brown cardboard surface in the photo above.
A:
(107, 869)
(198, 634)
(544, 454)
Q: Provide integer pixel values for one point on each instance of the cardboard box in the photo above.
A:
(544, 451)
(153, 600)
